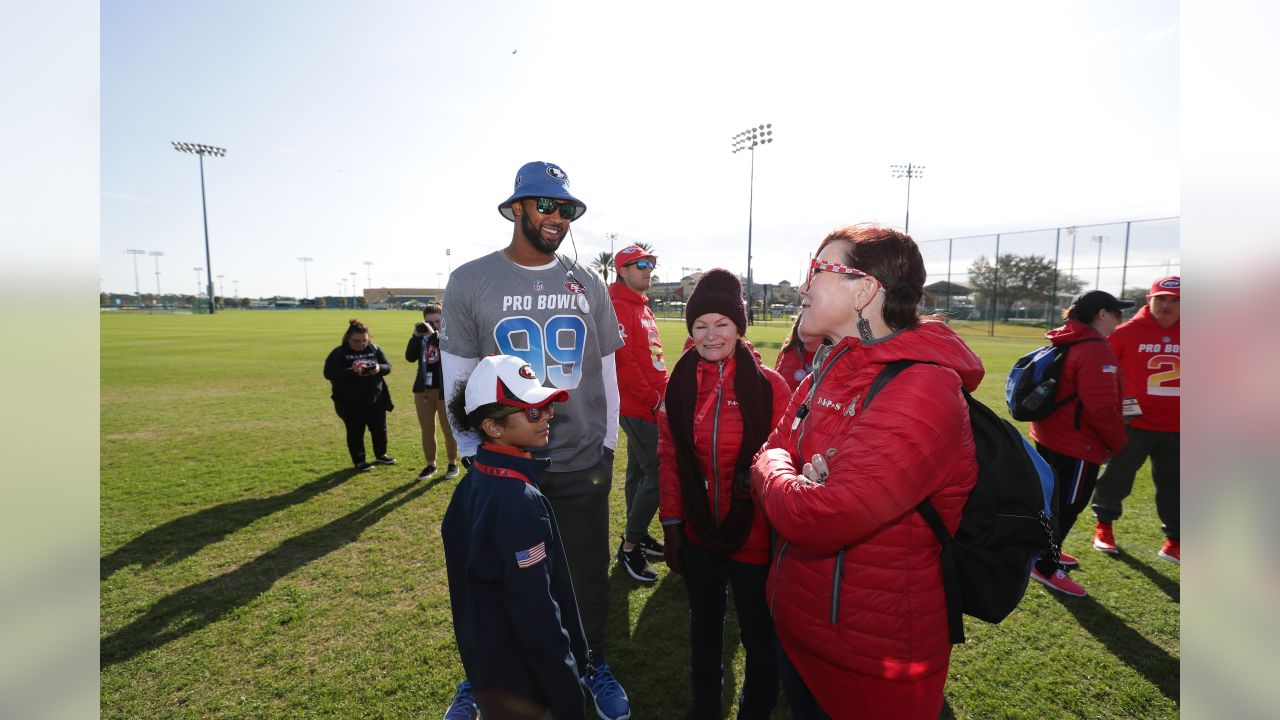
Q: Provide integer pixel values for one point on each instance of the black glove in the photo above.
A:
(673, 550)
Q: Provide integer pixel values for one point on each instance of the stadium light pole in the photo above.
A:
(749, 140)
(235, 288)
(156, 254)
(306, 287)
(137, 287)
(222, 289)
(368, 266)
(1097, 273)
(907, 171)
(200, 151)
(198, 271)
(353, 289)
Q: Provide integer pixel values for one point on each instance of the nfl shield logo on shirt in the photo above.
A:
(537, 286)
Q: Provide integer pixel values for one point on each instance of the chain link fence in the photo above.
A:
(1039, 272)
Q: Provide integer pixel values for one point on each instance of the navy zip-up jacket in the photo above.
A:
(515, 616)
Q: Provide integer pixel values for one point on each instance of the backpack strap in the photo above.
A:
(950, 569)
(947, 556)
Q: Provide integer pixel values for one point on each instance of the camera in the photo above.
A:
(422, 328)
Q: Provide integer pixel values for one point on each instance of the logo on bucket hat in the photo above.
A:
(541, 179)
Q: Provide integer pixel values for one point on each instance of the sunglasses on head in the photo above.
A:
(818, 266)
(645, 264)
(546, 206)
(533, 413)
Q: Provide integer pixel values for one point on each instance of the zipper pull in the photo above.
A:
(801, 412)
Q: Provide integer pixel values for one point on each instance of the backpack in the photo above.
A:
(1006, 524)
(1029, 389)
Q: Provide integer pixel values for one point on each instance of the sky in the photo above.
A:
(387, 132)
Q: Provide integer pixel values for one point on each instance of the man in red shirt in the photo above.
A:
(642, 381)
(1149, 349)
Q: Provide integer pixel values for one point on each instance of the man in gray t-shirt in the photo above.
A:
(496, 306)
(530, 302)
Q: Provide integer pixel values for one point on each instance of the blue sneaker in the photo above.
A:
(610, 699)
(464, 705)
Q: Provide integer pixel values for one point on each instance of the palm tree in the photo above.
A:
(603, 264)
(644, 246)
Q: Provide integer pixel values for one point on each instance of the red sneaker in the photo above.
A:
(1104, 540)
(1066, 560)
(1171, 551)
(1060, 582)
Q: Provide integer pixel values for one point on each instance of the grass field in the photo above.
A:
(247, 572)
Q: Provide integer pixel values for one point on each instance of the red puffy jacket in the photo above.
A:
(720, 430)
(881, 612)
(642, 372)
(1092, 373)
(794, 364)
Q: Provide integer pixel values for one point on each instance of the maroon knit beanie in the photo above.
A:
(717, 291)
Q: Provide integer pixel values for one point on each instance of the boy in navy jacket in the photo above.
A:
(514, 612)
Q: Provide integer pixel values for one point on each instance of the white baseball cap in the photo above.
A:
(508, 380)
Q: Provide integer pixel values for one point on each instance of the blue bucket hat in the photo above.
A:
(541, 179)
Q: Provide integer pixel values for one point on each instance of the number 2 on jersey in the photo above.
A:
(563, 340)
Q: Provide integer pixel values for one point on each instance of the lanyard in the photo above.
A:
(711, 399)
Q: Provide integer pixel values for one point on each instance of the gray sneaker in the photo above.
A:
(451, 471)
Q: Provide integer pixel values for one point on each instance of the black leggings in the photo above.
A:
(1076, 480)
(359, 417)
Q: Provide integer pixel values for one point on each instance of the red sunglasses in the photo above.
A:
(817, 266)
(534, 413)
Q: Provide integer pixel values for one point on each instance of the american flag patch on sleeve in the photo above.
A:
(532, 556)
(1108, 368)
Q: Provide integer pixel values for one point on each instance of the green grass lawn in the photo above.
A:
(247, 572)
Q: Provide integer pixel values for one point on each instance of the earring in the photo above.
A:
(864, 328)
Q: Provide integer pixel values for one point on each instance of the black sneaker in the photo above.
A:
(451, 471)
(652, 547)
(364, 466)
(385, 459)
(636, 564)
(427, 472)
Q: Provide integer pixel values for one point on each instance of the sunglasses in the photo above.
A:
(546, 206)
(818, 266)
(533, 413)
(644, 264)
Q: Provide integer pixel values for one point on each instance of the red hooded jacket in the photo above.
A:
(717, 440)
(794, 364)
(1092, 373)
(881, 612)
(642, 372)
(1151, 364)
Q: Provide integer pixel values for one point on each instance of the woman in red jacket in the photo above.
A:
(795, 360)
(855, 588)
(1087, 428)
(720, 405)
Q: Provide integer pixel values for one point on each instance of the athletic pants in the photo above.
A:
(1116, 482)
(430, 407)
(641, 488)
(707, 579)
(580, 500)
(359, 417)
(1076, 479)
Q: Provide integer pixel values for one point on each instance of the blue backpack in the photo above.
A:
(1006, 524)
(1029, 389)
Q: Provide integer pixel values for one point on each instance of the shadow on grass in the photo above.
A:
(652, 658)
(183, 537)
(1167, 586)
(193, 607)
(1148, 659)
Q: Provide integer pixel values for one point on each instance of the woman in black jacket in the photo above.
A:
(360, 397)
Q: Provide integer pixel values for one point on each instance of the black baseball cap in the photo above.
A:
(1094, 300)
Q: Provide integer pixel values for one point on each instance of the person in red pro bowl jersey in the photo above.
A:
(855, 587)
(1150, 353)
